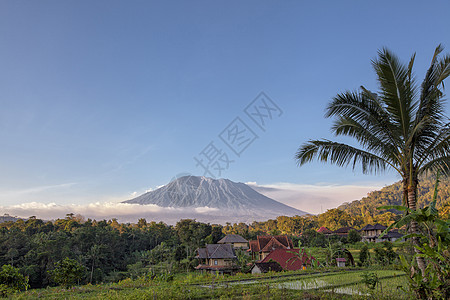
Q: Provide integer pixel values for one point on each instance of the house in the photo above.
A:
(391, 236)
(343, 231)
(235, 240)
(264, 267)
(217, 258)
(371, 233)
(325, 231)
(290, 259)
(340, 261)
(263, 245)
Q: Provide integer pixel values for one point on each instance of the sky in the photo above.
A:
(101, 101)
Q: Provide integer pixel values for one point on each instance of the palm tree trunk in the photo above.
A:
(414, 228)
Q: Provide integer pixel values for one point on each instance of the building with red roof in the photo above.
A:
(290, 259)
(324, 230)
(263, 245)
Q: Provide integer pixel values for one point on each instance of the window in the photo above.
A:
(215, 262)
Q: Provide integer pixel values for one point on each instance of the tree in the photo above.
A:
(398, 128)
(11, 280)
(192, 234)
(364, 255)
(353, 236)
(67, 272)
(334, 219)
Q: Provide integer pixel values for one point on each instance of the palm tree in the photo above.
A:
(403, 127)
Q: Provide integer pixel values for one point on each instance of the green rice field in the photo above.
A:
(331, 285)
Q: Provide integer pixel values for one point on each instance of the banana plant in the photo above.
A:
(434, 235)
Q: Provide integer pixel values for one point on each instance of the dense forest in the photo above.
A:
(109, 251)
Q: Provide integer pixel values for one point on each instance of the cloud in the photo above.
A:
(124, 212)
(314, 198)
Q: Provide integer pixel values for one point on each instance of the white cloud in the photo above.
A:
(314, 198)
(124, 212)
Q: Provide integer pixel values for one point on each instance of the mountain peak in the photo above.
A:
(223, 194)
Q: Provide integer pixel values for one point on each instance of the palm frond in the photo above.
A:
(397, 91)
(340, 155)
(369, 138)
(441, 164)
(431, 103)
(365, 109)
(436, 145)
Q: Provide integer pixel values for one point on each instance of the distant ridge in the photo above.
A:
(8, 218)
(231, 199)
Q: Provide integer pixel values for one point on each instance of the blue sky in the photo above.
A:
(103, 99)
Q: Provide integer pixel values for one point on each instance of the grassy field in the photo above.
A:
(331, 285)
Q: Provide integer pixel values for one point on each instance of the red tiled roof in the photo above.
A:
(324, 230)
(289, 258)
(263, 241)
(273, 244)
(254, 246)
(269, 243)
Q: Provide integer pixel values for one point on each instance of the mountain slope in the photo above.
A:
(231, 198)
(392, 195)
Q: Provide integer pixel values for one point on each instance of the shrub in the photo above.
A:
(67, 272)
(364, 255)
(11, 280)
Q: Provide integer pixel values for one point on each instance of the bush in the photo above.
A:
(11, 280)
(67, 272)
(353, 236)
(364, 255)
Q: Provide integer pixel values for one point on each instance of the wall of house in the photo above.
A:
(240, 245)
(220, 262)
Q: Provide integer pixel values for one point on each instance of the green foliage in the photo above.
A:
(12, 280)
(364, 256)
(336, 218)
(393, 195)
(384, 254)
(353, 236)
(434, 236)
(67, 272)
(370, 280)
(244, 260)
(329, 285)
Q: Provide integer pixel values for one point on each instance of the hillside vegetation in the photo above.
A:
(393, 195)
